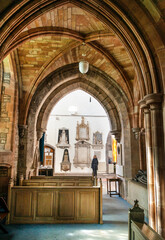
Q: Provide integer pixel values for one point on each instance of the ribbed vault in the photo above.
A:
(44, 17)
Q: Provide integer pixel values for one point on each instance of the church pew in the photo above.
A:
(137, 227)
(59, 181)
(60, 204)
(143, 231)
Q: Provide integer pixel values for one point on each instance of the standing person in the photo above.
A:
(94, 165)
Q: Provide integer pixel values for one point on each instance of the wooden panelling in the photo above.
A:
(23, 204)
(48, 184)
(85, 184)
(67, 184)
(47, 204)
(59, 181)
(44, 207)
(86, 205)
(66, 204)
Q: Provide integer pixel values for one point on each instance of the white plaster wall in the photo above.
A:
(60, 117)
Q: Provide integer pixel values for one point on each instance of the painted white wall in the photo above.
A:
(60, 117)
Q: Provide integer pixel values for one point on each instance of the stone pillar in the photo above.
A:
(36, 160)
(135, 151)
(142, 151)
(150, 167)
(20, 179)
(22, 150)
(155, 103)
(10, 185)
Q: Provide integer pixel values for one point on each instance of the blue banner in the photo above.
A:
(42, 148)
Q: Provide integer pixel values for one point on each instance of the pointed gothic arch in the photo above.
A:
(64, 81)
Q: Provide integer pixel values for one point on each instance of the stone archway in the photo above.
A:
(100, 86)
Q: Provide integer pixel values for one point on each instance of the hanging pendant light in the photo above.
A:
(83, 65)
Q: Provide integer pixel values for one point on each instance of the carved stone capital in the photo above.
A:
(151, 101)
(155, 106)
(142, 104)
(116, 134)
(40, 132)
(136, 132)
(146, 110)
(154, 98)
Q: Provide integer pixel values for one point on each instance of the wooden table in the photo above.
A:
(111, 192)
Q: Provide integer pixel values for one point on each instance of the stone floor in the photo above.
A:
(114, 227)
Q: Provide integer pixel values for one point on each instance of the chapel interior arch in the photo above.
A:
(126, 57)
(40, 110)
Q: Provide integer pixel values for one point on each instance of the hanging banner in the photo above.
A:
(42, 148)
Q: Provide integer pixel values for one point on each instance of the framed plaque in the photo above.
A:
(97, 140)
(82, 131)
(63, 138)
(82, 154)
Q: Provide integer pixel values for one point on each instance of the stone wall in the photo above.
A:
(8, 117)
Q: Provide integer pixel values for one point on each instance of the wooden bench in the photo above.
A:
(143, 231)
(137, 228)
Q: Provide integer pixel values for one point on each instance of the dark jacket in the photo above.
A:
(94, 164)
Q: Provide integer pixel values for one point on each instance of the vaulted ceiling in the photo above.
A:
(54, 38)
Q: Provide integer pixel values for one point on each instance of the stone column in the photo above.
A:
(135, 150)
(20, 179)
(154, 101)
(142, 151)
(36, 160)
(10, 185)
(150, 167)
(22, 150)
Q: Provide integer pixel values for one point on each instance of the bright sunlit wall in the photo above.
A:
(66, 113)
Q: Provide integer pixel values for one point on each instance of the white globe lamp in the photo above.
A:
(83, 67)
